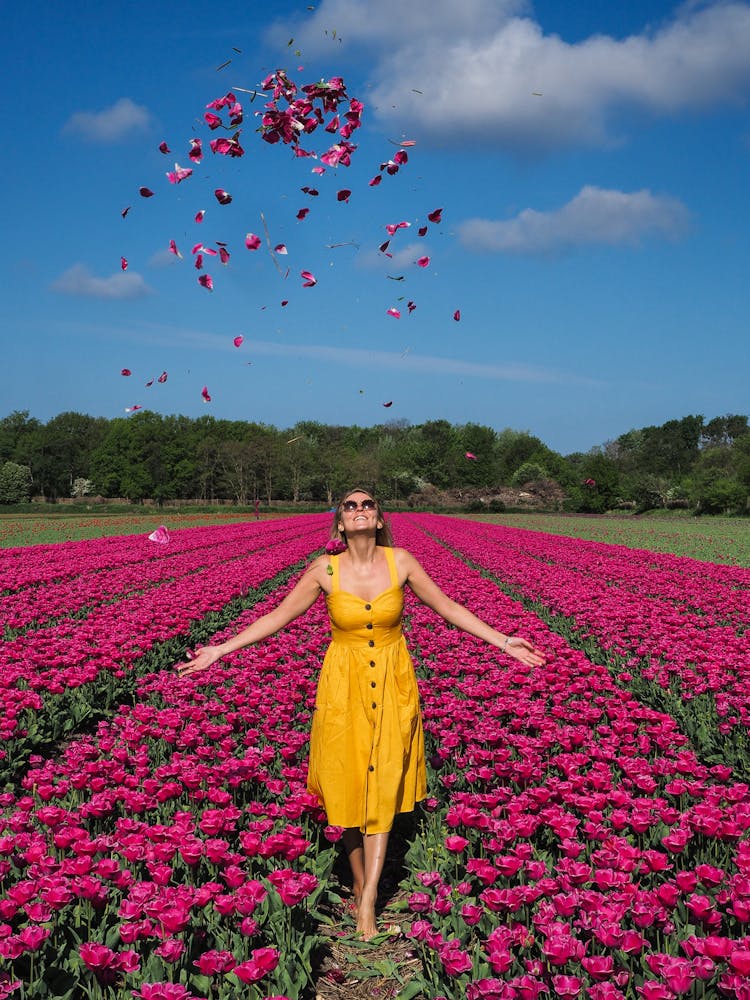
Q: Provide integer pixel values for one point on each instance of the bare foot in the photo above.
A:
(366, 925)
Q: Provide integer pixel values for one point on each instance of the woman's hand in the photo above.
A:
(202, 658)
(523, 651)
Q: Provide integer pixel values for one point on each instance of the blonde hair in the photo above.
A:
(383, 534)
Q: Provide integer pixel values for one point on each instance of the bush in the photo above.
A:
(15, 483)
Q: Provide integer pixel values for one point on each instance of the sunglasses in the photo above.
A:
(351, 505)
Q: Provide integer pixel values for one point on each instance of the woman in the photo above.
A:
(366, 744)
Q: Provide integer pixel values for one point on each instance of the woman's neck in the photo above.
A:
(362, 550)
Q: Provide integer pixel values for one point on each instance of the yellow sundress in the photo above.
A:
(366, 743)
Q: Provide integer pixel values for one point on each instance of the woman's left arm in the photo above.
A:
(456, 614)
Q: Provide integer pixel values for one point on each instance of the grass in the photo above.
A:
(710, 539)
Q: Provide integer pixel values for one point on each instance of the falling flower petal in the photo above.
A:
(280, 248)
(160, 535)
(457, 315)
(123, 263)
(436, 215)
(132, 409)
(238, 341)
(285, 302)
(223, 197)
(318, 170)
(149, 383)
(394, 312)
(411, 306)
(389, 403)
(204, 393)
(173, 249)
(423, 262)
(313, 192)
(164, 148)
(343, 195)
(198, 263)
(252, 242)
(178, 174)
(145, 192)
(162, 378)
(199, 216)
(309, 279)
(384, 246)
(125, 211)
(393, 226)
(196, 150)
(375, 180)
(422, 231)
(126, 371)
(471, 456)
(303, 212)
(207, 281)
(223, 255)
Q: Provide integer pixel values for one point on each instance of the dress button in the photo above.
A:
(373, 684)
(374, 704)
(372, 663)
(371, 642)
(368, 607)
(368, 625)
(370, 768)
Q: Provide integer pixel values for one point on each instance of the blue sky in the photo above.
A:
(592, 164)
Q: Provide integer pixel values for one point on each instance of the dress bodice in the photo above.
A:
(358, 622)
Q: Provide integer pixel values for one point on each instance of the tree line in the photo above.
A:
(700, 464)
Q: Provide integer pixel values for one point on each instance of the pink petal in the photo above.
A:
(164, 148)
(302, 213)
(313, 192)
(422, 231)
(207, 281)
(178, 174)
(423, 262)
(470, 455)
(223, 255)
(162, 378)
(238, 341)
(285, 302)
(393, 226)
(196, 150)
(204, 393)
(309, 279)
(280, 248)
(375, 181)
(123, 263)
(125, 211)
(223, 197)
(411, 306)
(252, 242)
(198, 263)
(436, 215)
(132, 409)
(344, 195)
(149, 383)
(318, 170)
(389, 403)
(199, 216)
(213, 121)
(408, 142)
(384, 246)
(174, 250)
(126, 371)
(145, 192)
(394, 312)
(161, 535)
(457, 315)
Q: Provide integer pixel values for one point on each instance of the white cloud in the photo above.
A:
(594, 217)
(78, 280)
(474, 71)
(111, 124)
(401, 257)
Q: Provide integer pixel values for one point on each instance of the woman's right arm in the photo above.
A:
(297, 601)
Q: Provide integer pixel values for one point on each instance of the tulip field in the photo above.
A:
(586, 830)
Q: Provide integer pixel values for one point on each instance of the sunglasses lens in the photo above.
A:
(368, 505)
(349, 505)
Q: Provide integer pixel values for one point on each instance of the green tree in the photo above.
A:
(15, 483)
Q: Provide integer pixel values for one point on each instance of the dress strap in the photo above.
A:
(391, 560)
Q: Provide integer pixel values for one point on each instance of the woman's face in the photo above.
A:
(358, 511)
